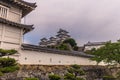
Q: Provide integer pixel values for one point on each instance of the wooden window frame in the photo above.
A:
(4, 11)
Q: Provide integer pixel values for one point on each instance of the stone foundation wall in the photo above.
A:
(42, 72)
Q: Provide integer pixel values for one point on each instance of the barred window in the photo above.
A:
(3, 11)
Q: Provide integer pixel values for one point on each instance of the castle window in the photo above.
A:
(59, 61)
(3, 11)
(50, 59)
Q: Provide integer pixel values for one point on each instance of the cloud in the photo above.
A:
(86, 20)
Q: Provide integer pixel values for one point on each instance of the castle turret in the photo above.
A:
(62, 35)
(43, 42)
(11, 29)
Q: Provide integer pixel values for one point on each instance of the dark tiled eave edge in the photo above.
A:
(26, 27)
(94, 44)
(54, 51)
(28, 3)
(24, 3)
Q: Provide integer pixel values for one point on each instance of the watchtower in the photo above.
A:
(11, 29)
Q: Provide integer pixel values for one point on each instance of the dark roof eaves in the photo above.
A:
(54, 51)
(28, 3)
(95, 43)
(28, 27)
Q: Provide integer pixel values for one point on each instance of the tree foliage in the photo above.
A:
(8, 65)
(63, 47)
(71, 41)
(73, 72)
(54, 77)
(110, 53)
(7, 52)
(6, 62)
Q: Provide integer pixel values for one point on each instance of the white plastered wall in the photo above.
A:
(43, 58)
(91, 47)
(10, 37)
(14, 14)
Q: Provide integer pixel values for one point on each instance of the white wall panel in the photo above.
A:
(13, 29)
(43, 58)
(10, 46)
(0, 37)
(12, 35)
(12, 40)
(15, 14)
(14, 17)
(0, 31)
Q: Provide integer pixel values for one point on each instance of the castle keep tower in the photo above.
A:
(11, 29)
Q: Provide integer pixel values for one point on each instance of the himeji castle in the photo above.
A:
(11, 36)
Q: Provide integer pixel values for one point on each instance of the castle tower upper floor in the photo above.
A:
(15, 10)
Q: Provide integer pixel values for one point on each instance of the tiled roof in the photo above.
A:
(61, 35)
(22, 3)
(26, 27)
(54, 51)
(94, 43)
(43, 39)
(27, 7)
(27, 3)
(61, 30)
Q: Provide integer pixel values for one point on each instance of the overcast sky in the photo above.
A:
(86, 20)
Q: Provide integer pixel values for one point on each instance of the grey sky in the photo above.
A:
(86, 20)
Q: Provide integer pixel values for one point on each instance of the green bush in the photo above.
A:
(12, 51)
(7, 52)
(31, 79)
(63, 47)
(1, 74)
(3, 52)
(9, 69)
(108, 78)
(69, 76)
(54, 77)
(74, 73)
(5, 62)
(75, 66)
(76, 70)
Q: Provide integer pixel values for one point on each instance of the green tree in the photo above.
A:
(71, 41)
(7, 52)
(110, 53)
(6, 62)
(63, 47)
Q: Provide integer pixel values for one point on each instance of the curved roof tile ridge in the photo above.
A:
(54, 51)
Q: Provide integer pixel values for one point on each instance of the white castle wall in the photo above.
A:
(43, 58)
(10, 37)
(14, 14)
(91, 47)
